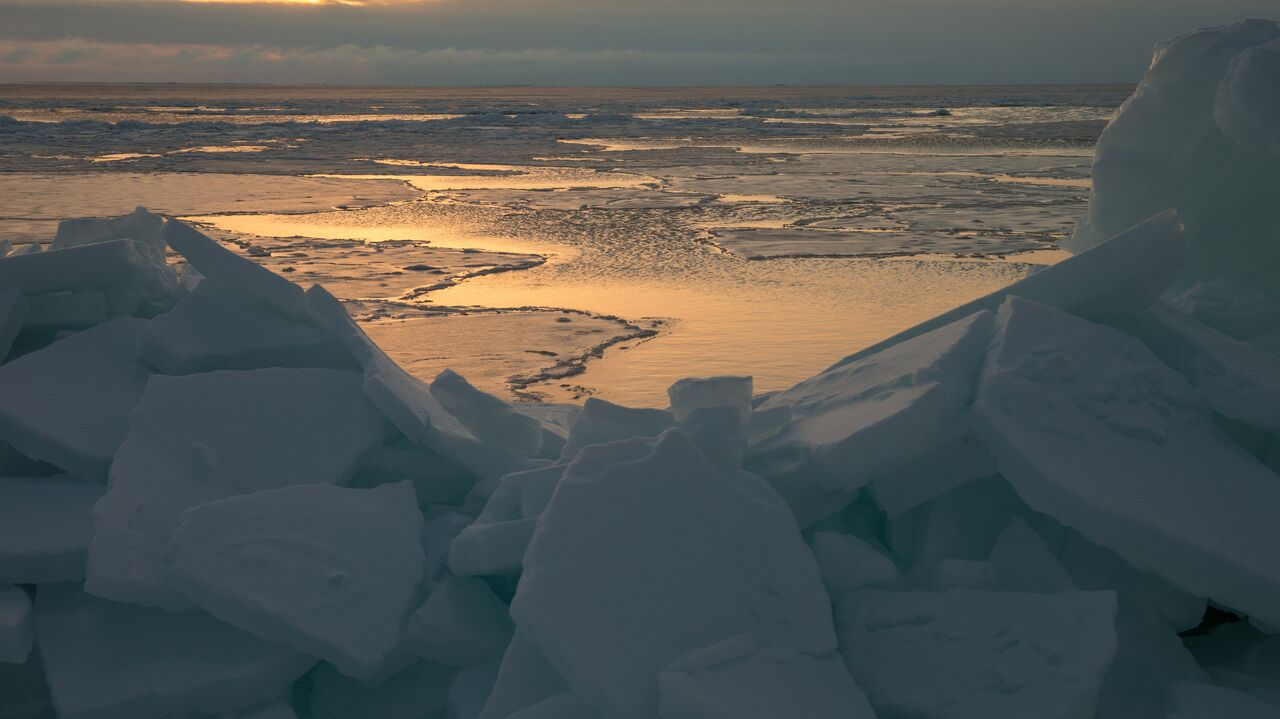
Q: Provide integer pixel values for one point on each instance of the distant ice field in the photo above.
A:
(686, 231)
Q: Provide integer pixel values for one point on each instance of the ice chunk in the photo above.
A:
(932, 475)
(1205, 111)
(1236, 379)
(469, 691)
(436, 479)
(1092, 430)
(1021, 562)
(948, 574)
(209, 331)
(850, 563)
(44, 528)
(437, 534)
(277, 710)
(327, 570)
(1230, 306)
(525, 678)
(948, 655)
(1191, 700)
(647, 552)
(739, 679)
(1149, 658)
(116, 661)
(139, 225)
(720, 433)
(15, 625)
(73, 309)
(560, 706)
(417, 692)
(69, 404)
(964, 523)
(199, 438)
(13, 308)
(491, 420)
(1118, 277)
(866, 418)
(461, 624)
(100, 265)
(601, 422)
(692, 394)
(236, 276)
(407, 402)
(491, 547)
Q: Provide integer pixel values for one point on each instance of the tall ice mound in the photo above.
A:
(1201, 134)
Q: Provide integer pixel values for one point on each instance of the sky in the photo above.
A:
(597, 42)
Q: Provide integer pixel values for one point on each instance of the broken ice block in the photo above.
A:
(1093, 430)
(106, 660)
(976, 655)
(203, 437)
(69, 404)
(692, 394)
(525, 679)
(100, 265)
(327, 570)
(638, 560)
(15, 625)
(236, 276)
(491, 420)
(462, 624)
(601, 422)
(140, 225)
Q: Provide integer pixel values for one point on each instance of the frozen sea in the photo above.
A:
(557, 243)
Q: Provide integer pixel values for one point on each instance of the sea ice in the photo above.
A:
(1117, 277)
(69, 403)
(491, 547)
(977, 655)
(469, 690)
(100, 265)
(1021, 562)
(491, 420)
(15, 625)
(462, 624)
(327, 570)
(601, 421)
(44, 528)
(139, 225)
(236, 276)
(697, 393)
(560, 706)
(1092, 430)
(209, 330)
(739, 679)
(640, 559)
(932, 475)
(870, 417)
(62, 310)
(106, 660)
(199, 438)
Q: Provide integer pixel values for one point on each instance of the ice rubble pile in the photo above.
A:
(219, 498)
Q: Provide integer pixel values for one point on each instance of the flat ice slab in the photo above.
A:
(1093, 430)
(327, 570)
(139, 225)
(876, 414)
(102, 264)
(69, 403)
(199, 438)
(44, 528)
(237, 276)
(106, 660)
(977, 655)
(647, 552)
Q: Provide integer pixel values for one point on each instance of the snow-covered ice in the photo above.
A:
(327, 570)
